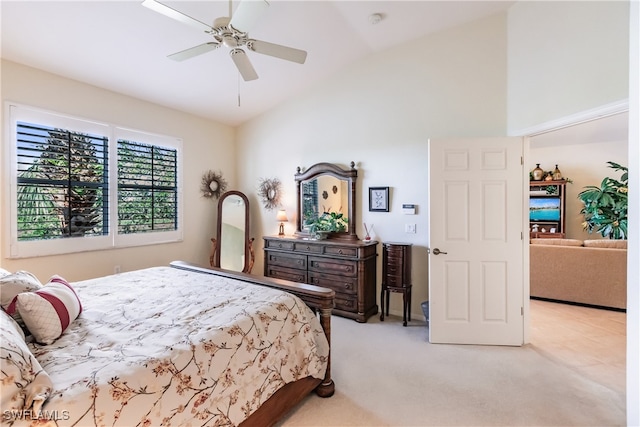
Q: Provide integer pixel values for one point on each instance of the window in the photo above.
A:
(147, 188)
(310, 200)
(62, 183)
(78, 185)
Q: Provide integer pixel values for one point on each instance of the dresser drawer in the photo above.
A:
(289, 260)
(394, 258)
(279, 244)
(307, 248)
(341, 251)
(346, 302)
(347, 285)
(394, 269)
(333, 266)
(287, 274)
(394, 250)
(394, 280)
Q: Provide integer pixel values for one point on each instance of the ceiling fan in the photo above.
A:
(232, 32)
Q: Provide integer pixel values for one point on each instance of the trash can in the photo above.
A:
(425, 310)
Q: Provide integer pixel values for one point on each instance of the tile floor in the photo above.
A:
(590, 340)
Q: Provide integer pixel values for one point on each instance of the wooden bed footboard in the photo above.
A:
(321, 300)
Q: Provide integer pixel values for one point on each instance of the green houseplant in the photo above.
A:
(328, 222)
(605, 207)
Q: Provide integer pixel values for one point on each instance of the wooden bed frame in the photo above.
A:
(321, 300)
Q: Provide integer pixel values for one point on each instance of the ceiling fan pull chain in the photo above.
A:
(238, 90)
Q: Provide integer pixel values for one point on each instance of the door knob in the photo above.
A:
(437, 251)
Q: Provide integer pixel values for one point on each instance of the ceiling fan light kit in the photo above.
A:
(231, 32)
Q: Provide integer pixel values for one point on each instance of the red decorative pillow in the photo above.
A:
(47, 312)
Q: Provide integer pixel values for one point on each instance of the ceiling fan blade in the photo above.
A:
(243, 64)
(178, 16)
(194, 51)
(279, 51)
(247, 14)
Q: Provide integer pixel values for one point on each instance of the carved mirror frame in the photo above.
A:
(348, 175)
(217, 249)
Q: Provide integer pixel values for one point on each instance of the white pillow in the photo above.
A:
(25, 385)
(13, 284)
(49, 311)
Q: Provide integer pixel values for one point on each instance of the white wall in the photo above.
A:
(564, 58)
(380, 113)
(206, 145)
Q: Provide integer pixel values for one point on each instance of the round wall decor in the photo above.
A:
(270, 193)
(213, 185)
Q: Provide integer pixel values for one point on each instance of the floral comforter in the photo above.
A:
(164, 346)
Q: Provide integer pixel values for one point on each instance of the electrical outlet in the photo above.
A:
(410, 228)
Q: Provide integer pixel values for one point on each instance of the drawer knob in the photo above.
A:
(340, 251)
(300, 262)
(308, 248)
(279, 245)
(347, 285)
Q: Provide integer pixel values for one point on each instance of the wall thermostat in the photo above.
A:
(409, 209)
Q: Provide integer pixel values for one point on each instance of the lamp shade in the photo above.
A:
(282, 216)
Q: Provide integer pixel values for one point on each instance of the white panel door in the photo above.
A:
(476, 232)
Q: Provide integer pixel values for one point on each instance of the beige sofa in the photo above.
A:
(592, 272)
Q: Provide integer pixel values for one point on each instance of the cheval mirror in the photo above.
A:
(326, 187)
(233, 248)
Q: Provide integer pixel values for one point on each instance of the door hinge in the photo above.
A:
(521, 160)
(521, 311)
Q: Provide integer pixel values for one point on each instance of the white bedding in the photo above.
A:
(164, 346)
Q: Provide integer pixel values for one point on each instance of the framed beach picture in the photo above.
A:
(379, 199)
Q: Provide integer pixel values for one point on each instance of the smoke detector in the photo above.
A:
(374, 18)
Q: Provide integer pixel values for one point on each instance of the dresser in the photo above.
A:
(346, 266)
(396, 277)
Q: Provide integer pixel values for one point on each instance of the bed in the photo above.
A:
(183, 345)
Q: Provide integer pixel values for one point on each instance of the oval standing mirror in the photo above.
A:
(326, 187)
(233, 250)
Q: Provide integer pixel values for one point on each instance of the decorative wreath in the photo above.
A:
(269, 192)
(213, 185)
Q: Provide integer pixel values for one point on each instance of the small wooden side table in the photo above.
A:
(396, 277)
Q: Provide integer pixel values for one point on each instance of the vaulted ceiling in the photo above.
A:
(122, 46)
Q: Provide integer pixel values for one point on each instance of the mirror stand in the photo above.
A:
(232, 249)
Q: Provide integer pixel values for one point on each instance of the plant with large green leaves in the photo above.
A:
(329, 222)
(605, 207)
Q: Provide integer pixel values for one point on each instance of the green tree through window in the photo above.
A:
(62, 183)
(147, 188)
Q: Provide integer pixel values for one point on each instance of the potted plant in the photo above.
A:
(328, 222)
(605, 207)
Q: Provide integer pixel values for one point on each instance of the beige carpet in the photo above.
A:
(388, 375)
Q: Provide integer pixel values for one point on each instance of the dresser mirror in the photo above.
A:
(233, 248)
(326, 187)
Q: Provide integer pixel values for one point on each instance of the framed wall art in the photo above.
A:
(378, 199)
